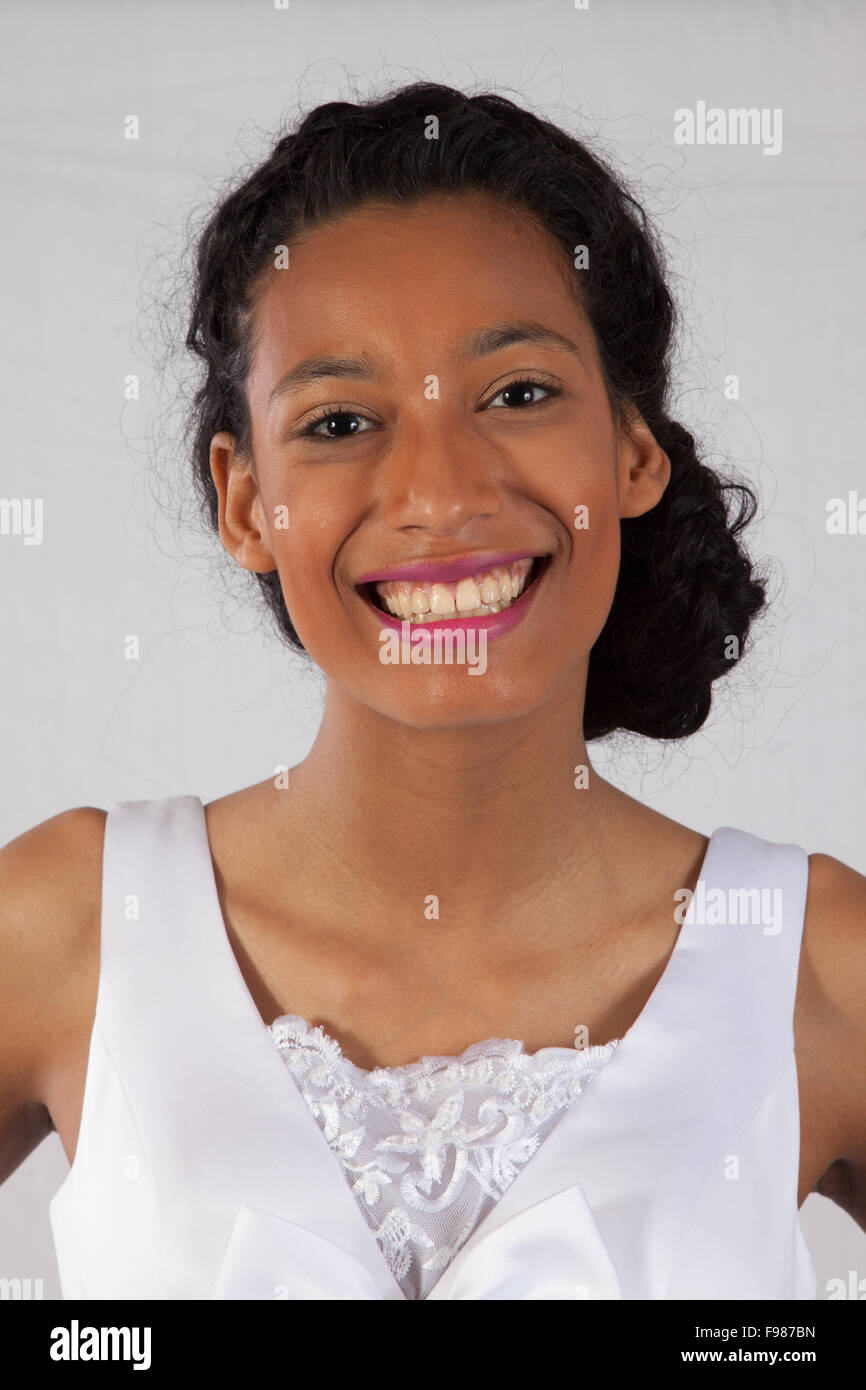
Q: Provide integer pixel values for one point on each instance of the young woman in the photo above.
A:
(441, 1013)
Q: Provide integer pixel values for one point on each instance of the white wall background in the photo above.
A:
(769, 255)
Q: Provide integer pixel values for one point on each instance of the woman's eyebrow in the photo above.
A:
(313, 368)
(485, 341)
(481, 342)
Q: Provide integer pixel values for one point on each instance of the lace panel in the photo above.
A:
(429, 1147)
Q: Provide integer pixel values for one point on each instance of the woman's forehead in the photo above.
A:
(405, 280)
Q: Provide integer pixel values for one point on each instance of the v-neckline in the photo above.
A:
(625, 1047)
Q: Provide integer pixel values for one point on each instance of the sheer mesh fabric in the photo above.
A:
(429, 1147)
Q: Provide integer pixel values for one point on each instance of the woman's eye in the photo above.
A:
(519, 392)
(334, 417)
(336, 423)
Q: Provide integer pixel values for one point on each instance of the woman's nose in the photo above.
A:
(438, 474)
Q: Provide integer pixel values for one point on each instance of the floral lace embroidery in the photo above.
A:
(429, 1147)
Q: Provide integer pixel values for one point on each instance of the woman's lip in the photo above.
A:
(457, 567)
(494, 624)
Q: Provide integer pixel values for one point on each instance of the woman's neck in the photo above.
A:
(484, 819)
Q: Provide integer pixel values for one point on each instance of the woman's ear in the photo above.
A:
(241, 514)
(643, 467)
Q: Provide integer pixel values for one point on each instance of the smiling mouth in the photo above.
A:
(487, 592)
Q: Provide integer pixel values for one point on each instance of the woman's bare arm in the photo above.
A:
(50, 891)
(835, 948)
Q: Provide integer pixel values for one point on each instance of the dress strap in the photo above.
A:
(745, 922)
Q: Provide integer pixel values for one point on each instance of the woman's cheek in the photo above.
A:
(596, 556)
(303, 535)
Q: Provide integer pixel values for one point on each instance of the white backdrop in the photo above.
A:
(767, 251)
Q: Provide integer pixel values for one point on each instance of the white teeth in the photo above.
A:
(484, 593)
(489, 589)
(484, 611)
(420, 602)
(468, 596)
(441, 601)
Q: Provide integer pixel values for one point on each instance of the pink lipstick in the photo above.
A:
(457, 567)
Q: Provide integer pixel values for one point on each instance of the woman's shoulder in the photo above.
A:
(41, 869)
(830, 1021)
(833, 960)
(50, 897)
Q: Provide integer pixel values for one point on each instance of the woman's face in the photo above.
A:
(470, 430)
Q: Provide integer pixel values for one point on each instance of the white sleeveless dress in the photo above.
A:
(219, 1158)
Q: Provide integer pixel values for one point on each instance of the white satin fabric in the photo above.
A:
(201, 1172)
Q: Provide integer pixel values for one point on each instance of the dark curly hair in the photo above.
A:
(685, 585)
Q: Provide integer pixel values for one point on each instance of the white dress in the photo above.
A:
(219, 1158)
